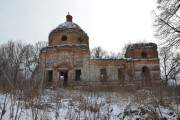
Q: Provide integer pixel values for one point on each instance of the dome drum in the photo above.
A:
(64, 38)
(68, 33)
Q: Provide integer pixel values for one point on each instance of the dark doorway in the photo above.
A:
(146, 77)
(103, 74)
(64, 77)
(49, 76)
(145, 71)
(77, 75)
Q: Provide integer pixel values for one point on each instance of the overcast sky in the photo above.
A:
(109, 23)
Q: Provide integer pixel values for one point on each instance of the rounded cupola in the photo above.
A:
(68, 33)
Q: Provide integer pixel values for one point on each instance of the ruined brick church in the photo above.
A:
(67, 60)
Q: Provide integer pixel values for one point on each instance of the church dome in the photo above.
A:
(69, 26)
(68, 33)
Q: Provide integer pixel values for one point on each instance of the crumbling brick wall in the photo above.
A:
(67, 55)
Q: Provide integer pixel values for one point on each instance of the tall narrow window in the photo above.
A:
(145, 73)
(121, 75)
(103, 74)
(63, 76)
(49, 76)
(77, 75)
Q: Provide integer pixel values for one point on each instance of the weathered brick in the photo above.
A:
(69, 58)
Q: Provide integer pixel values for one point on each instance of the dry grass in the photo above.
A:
(32, 96)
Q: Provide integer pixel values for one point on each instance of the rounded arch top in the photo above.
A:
(68, 33)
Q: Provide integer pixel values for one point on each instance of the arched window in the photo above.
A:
(145, 72)
(146, 77)
(77, 75)
(103, 74)
(64, 38)
(143, 54)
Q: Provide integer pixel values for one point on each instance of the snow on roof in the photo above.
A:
(69, 27)
(146, 45)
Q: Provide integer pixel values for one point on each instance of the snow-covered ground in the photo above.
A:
(74, 105)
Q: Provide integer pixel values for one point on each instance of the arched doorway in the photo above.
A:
(63, 77)
(146, 77)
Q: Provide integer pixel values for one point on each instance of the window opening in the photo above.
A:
(64, 38)
(145, 73)
(80, 39)
(77, 75)
(49, 76)
(103, 74)
(63, 76)
(121, 75)
(145, 70)
(143, 54)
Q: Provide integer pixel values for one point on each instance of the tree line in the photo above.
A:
(18, 61)
(167, 31)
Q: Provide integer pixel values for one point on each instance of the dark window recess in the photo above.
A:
(146, 72)
(143, 54)
(146, 75)
(64, 38)
(49, 76)
(121, 75)
(103, 74)
(80, 39)
(77, 75)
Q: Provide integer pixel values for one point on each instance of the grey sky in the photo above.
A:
(109, 23)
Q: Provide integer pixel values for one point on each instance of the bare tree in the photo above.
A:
(12, 57)
(18, 60)
(98, 53)
(167, 22)
(124, 49)
(170, 64)
(32, 57)
(114, 55)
